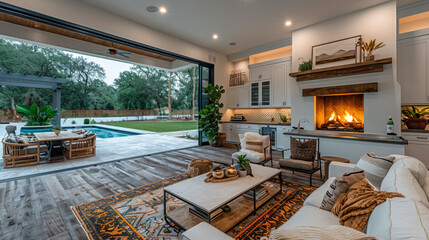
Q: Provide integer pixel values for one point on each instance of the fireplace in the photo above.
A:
(340, 112)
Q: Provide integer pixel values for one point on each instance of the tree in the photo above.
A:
(186, 89)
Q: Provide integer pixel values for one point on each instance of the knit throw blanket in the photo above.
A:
(354, 207)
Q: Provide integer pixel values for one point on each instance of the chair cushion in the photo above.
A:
(33, 149)
(253, 156)
(399, 218)
(375, 167)
(332, 232)
(416, 167)
(339, 186)
(402, 181)
(311, 216)
(303, 150)
(298, 164)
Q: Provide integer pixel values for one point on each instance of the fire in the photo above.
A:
(333, 117)
(349, 118)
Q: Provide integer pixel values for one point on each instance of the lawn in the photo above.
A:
(158, 126)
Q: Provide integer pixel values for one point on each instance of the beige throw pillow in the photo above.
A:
(375, 167)
(339, 186)
(333, 232)
(254, 145)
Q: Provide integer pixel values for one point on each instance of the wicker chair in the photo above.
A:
(21, 155)
(80, 148)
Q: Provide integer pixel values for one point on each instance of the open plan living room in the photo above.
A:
(214, 119)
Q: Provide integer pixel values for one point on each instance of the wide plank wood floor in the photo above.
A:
(39, 207)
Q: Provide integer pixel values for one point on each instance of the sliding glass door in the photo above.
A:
(206, 77)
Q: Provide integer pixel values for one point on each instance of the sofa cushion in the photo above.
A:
(426, 186)
(375, 167)
(311, 216)
(332, 232)
(399, 218)
(316, 197)
(205, 231)
(298, 164)
(416, 167)
(402, 181)
(303, 150)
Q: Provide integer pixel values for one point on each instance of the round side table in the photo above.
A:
(328, 160)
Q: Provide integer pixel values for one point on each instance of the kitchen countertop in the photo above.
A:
(415, 130)
(350, 136)
(259, 123)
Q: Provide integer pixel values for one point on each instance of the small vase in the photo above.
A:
(242, 173)
(369, 58)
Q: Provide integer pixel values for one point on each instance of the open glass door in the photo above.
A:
(206, 77)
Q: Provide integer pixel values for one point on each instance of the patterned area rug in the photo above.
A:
(138, 213)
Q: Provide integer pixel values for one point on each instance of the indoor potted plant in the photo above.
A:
(57, 130)
(369, 49)
(242, 161)
(210, 116)
(414, 116)
(37, 117)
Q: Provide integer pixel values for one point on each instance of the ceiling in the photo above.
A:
(249, 23)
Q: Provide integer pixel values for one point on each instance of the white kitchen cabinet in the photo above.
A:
(238, 96)
(413, 74)
(260, 93)
(418, 146)
(283, 141)
(231, 97)
(261, 73)
(244, 128)
(280, 84)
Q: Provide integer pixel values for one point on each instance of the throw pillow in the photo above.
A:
(255, 145)
(333, 232)
(416, 167)
(339, 186)
(303, 150)
(375, 167)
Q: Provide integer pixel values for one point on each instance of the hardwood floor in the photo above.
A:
(39, 207)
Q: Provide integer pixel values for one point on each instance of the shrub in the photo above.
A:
(93, 121)
(119, 115)
(74, 122)
(86, 121)
(37, 116)
(9, 116)
(105, 114)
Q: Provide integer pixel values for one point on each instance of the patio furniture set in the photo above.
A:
(20, 151)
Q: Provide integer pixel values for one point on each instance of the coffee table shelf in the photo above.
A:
(240, 209)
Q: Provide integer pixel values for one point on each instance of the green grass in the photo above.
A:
(158, 126)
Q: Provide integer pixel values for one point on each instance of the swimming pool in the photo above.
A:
(105, 132)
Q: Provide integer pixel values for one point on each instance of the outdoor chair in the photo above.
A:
(80, 148)
(22, 154)
(304, 157)
(256, 147)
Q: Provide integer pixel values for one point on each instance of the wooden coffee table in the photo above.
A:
(50, 138)
(209, 197)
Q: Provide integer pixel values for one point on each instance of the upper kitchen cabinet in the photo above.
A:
(413, 64)
(238, 96)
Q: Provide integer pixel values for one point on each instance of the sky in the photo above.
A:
(112, 68)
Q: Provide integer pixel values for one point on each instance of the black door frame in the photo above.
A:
(42, 18)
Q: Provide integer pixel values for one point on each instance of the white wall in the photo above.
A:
(84, 14)
(378, 22)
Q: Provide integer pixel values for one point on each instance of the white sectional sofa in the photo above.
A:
(397, 218)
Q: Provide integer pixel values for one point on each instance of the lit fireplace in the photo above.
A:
(340, 113)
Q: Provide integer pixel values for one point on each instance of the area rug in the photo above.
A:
(138, 213)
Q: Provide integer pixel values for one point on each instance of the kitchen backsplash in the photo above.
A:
(403, 126)
(258, 114)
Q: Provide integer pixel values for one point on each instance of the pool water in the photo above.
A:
(106, 133)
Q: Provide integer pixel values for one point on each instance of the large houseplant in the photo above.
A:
(37, 116)
(210, 116)
(414, 116)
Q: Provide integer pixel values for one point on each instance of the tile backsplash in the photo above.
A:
(258, 114)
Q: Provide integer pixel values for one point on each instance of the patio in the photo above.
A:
(108, 150)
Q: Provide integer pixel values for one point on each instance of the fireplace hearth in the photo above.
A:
(340, 112)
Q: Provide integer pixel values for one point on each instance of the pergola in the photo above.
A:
(32, 81)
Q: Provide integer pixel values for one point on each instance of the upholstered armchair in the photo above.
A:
(304, 157)
(256, 147)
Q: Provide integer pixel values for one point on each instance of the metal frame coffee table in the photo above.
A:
(209, 197)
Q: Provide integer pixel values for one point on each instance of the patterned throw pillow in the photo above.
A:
(339, 186)
(303, 150)
(375, 167)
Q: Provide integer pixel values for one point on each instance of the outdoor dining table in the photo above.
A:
(53, 139)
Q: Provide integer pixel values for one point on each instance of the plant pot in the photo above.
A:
(416, 123)
(242, 173)
(57, 132)
(220, 140)
(369, 58)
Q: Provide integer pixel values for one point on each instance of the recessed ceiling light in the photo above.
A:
(215, 36)
(288, 23)
(163, 10)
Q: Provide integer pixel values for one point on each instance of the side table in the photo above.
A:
(328, 160)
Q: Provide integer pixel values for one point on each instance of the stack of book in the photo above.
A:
(201, 214)
(260, 193)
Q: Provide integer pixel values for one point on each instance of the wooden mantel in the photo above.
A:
(341, 71)
(344, 89)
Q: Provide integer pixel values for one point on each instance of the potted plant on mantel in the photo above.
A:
(414, 118)
(210, 116)
(369, 49)
(37, 117)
